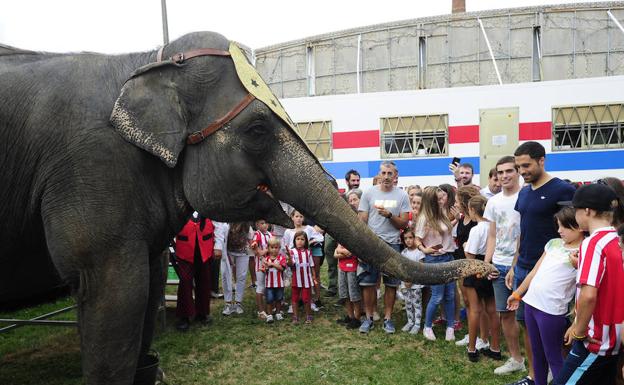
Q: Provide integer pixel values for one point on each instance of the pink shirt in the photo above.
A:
(431, 237)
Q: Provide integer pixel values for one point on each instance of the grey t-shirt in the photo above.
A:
(395, 201)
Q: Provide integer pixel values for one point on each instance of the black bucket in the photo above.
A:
(147, 370)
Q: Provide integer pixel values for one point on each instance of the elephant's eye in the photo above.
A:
(257, 130)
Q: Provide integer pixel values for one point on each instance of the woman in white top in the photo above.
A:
(549, 288)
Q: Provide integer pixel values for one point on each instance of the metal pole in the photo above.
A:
(487, 41)
(357, 63)
(165, 25)
(36, 320)
(615, 21)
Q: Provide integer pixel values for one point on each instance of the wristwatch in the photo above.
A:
(390, 215)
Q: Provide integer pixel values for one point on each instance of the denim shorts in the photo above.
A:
(520, 273)
(501, 292)
(274, 294)
(368, 275)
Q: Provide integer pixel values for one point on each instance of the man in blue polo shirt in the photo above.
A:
(537, 205)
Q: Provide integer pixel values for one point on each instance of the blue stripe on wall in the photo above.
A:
(568, 161)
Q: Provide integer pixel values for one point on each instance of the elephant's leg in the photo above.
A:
(158, 278)
(113, 297)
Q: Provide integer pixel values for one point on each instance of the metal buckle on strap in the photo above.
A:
(178, 58)
(195, 137)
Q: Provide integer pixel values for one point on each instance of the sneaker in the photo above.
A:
(473, 356)
(481, 344)
(366, 326)
(262, 315)
(354, 324)
(238, 308)
(269, 319)
(415, 330)
(228, 309)
(376, 316)
(408, 326)
(439, 321)
(344, 320)
(314, 307)
(428, 333)
(489, 353)
(279, 317)
(450, 334)
(463, 341)
(216, 295)
(524, 381)
(510, 366)
(457, 325)
(388, 326)
(318, 303)
(290, 310)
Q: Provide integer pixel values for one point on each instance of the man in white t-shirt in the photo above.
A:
(502, 247)
(493, 186)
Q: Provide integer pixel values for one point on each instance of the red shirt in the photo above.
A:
(262, 240)
(600, 266)
(302, 268)
(194, 235)
(273, 277)
(348, 264)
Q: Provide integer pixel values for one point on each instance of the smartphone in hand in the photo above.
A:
(456, 161)
(437, 247)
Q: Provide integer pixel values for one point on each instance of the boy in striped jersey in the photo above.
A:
(259, 245)
(273, 266)
(596, 332)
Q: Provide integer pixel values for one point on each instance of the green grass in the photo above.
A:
(244, 350)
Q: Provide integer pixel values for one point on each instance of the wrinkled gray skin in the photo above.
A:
(94, 197)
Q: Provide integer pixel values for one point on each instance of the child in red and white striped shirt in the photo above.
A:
(273, 266)
(303, 276)
(259, 245)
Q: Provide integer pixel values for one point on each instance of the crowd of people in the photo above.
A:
(556, 246)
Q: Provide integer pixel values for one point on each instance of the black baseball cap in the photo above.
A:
(593, 196)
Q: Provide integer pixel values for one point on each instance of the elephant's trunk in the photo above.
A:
(304, 185)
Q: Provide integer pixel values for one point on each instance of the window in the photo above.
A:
(409, 136)
(317, 135)
(588, 127)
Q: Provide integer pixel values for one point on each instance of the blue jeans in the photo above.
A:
(439, 293)
(274, 294)
(520, 273)
(501, 293)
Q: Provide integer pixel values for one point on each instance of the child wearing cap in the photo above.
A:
(595, 334)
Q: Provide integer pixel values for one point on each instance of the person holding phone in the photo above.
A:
(463, 172)
(433, 237)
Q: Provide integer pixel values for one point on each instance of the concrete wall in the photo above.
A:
(577, 41)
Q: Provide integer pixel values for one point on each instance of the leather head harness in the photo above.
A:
(256, 87)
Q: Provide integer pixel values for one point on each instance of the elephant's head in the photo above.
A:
(240, 153)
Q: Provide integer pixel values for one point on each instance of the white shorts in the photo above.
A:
(260, 282)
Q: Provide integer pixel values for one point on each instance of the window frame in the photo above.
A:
(314, 143)
(581, 127)
(416, 136)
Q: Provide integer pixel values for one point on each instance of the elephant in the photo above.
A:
(103, 158)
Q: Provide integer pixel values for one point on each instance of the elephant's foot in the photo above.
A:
(148, 372)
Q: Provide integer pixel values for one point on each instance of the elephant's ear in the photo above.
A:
(148, 114)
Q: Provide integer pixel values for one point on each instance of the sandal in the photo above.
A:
(308, 320)
(295, 320)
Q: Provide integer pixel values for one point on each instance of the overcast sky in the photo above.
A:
(115, 26)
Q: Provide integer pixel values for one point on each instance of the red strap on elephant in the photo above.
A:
(198, 136)
(182, 56)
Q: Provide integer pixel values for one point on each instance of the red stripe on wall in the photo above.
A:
(463, 134)
(457, 134)
(356, 139)
(535, 131)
